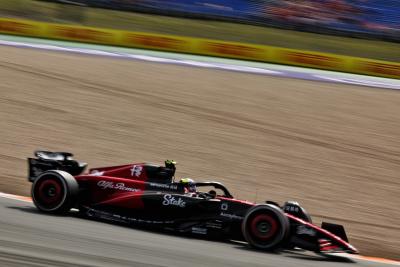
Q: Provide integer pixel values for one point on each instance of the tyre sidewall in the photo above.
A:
(281, 219)
(69, 190)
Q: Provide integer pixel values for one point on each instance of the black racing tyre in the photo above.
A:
(265, 227)
(55, 191)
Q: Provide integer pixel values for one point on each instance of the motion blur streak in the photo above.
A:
(231, 65)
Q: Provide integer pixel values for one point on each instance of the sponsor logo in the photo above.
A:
(121, 218)
(81, 33)
(304, 230)
(164, 186)
(231, 216)
(136, 170)
(232, 49)
(291, 208)
(156, 41)
(119, 186)
(381, 68)
(198, 230)
(16, 27)
(312, 59)
(172, 201)
(214, 225)
(224, 206)
(96, 173)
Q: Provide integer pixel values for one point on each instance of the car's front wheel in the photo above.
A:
(265, 227)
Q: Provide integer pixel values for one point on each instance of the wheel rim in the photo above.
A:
(49, 193)
(263, 227)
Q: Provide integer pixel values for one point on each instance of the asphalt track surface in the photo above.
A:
(30, 238)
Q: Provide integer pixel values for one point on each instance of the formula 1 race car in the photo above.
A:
(146, 195)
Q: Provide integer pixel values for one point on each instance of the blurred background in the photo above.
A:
(363, 28)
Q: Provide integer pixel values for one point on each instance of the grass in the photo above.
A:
(52, 12)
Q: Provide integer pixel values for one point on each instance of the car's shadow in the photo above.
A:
(300, 254)
(317, 257)
(296, 254)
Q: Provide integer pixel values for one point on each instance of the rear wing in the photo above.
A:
(46, 160)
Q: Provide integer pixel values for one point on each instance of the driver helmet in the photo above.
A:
(189, 185)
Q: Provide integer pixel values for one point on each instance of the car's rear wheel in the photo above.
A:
(265, 227)
(54, 191)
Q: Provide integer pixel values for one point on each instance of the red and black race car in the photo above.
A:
(145, 194)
